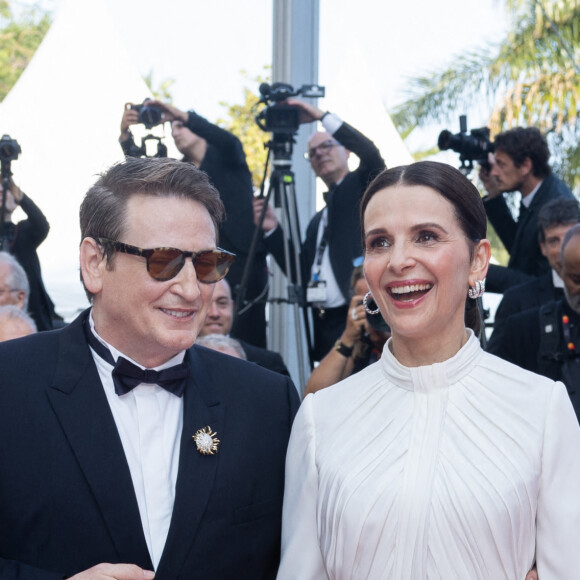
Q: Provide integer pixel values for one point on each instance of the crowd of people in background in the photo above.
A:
(420, 238)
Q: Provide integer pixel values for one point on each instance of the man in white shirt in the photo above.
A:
(131, 453)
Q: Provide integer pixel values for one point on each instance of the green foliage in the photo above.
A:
(162, 91)
(530, 79)
(241, 122)
(19, 38)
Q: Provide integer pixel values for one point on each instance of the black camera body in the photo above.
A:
(473, 146)
(9, 149)
(149, 115)
(278, 117)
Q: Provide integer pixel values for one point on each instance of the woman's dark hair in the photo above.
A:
(455, 188)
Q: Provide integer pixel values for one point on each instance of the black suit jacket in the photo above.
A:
(521, 238)
(269, 359)
(532, 294)
(520, 342)
(66, 496)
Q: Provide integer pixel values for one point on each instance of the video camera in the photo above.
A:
(471, 147)
(278, 117)
(9, 149)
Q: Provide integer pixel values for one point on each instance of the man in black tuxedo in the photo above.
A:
(520, 163)
(220, 154)
(124, 448)
(555, 218)
(333, 236)
(546, 340)
(219, 320)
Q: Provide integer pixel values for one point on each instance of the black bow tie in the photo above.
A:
(126, 375)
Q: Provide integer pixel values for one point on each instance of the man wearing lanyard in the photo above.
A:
(333, 236)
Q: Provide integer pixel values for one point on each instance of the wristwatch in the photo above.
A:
(343, 349)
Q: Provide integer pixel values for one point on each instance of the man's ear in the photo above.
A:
(93, 265)
(527, 167)
(20, 299)
(480, 262)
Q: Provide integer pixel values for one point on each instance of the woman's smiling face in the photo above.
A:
(418, 263)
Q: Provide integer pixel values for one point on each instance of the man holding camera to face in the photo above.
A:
(219, 154)
(333, 235)
(520, 163)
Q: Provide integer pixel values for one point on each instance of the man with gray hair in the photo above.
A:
(223, 343)
(15, 323)
(14, 287)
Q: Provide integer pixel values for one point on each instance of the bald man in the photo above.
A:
(333, 236)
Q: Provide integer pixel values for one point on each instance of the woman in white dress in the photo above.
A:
(440, 461)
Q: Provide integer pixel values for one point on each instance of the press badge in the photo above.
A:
(316, 292)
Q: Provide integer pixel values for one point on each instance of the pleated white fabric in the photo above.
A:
(467, 469)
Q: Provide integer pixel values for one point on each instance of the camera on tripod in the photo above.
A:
(473, 146)
(9, 149)
(278, 117)
(149, 115)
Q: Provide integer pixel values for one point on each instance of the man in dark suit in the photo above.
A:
(520, 163)
(546, 340)
(333, 236)
(555, 218)
(125, 449)
(220, 154)
(219, 321)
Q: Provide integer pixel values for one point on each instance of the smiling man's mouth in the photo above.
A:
(177, 313)
(409, 292)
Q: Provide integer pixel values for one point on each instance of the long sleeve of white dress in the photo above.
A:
(467, 469)
(558, 515)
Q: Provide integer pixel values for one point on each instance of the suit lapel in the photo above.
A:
(197, 472)
(80, 403)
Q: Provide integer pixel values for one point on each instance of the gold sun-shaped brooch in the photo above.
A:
(206, 441)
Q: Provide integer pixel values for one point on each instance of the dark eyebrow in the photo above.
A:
(427, 226)
(415, 228)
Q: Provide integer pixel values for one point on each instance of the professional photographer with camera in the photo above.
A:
(520, 163)
(221, 155)
(360, 344)
(333, 236)
(22, 239)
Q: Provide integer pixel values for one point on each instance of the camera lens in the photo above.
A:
(150, 116)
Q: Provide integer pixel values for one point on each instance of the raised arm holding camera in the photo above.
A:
(22, 240)
(333, 235)
(520, 163)
(220, 154)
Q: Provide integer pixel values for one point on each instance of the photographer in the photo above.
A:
(520, 163)
(220, 154)
(333, 236)
(22, 240)
(358, 346)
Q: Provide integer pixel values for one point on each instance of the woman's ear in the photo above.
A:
(93, 263)
(480, 262)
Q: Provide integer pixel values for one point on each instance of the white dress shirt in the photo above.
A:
(149, 420)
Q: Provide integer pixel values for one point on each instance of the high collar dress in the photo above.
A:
(467, 469)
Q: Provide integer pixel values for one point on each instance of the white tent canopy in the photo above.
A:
(65, 112)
